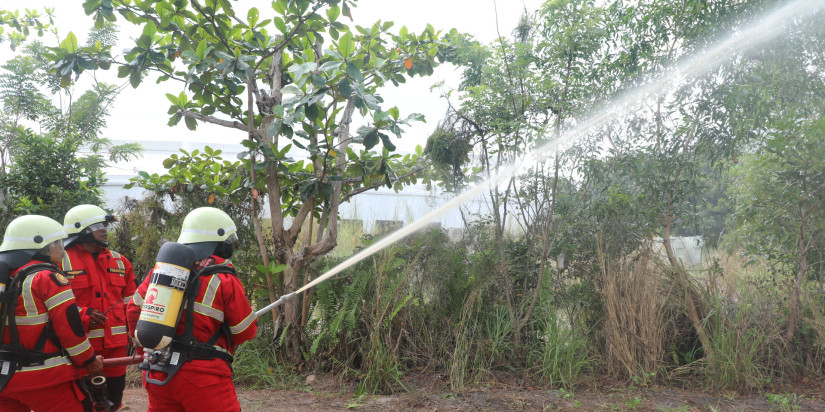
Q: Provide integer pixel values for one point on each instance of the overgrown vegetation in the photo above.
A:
(574, 273)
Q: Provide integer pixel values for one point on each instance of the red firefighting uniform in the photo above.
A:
(102, 282)
(203, 384)
(45, 299)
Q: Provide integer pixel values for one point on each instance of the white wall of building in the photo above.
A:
(382, 204)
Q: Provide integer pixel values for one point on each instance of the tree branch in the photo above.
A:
(379, 184)
(225, 123)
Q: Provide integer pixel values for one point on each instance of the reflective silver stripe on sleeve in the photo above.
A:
(137, 300)
(211, 290)
(243, 325)
(209, 311)
(95, 333)
(79, 348)
(50, 363)
(32, 320)
(28, 299)
(118, 330)
(67, 263)
(59, 298)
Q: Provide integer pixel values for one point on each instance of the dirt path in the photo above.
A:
(331, 396)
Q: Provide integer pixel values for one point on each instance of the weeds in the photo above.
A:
(256, 367)
(785, 402)
(745, 338)
(563, 354)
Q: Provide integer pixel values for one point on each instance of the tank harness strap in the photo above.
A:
(189, 347)
(186, 343)
(13, 356)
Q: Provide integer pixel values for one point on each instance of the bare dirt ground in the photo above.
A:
(433, 394)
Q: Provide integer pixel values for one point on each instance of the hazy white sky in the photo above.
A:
(140, 114)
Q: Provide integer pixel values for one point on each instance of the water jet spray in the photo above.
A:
(757, 34)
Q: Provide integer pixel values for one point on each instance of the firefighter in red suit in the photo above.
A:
(222, 314)
(101, 280)
(47, 341)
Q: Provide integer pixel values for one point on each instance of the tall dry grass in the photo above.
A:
(635, 328)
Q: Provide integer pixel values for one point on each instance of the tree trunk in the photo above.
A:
(681, 277)
(793, 312)
(292, 315)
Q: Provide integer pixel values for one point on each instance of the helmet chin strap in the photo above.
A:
(224, 250)
(86, 237)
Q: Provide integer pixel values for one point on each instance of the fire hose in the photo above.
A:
(134, 360)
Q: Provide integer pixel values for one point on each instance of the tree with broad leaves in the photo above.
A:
(290, 80)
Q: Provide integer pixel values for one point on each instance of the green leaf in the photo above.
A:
(371, 139)
(144, 42)
(345, 88)
(69, 44)
(353, 71)
(150, 29)
(279, 6)
(318, 80)
(346, 45)
(252, 16)
(172, 98)
(191, 123)
(312, 112)
(333, 12)
(201, 51)
(394, 113)
(330, 65)
(386, 141)
(279, 24)
(276, 268)
(134, 79)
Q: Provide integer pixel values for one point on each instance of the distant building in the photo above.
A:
(377, 210)
(689, 250)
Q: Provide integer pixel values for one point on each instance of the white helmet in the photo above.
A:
(81, 217)
(205, 228)
(27, 235)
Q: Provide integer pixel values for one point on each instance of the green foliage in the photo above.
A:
(14, 27)
(785, 402)
(448, 153)
(204, 174)
(46, 177)
(364, 310)
(289, 77)
(775, 191)
(256, 366)
(747, 350)
(61, 166)
(563, 355)
(143, 226)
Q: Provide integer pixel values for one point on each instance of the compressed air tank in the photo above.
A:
(162, 304)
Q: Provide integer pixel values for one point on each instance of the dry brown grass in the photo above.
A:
(634, 294)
